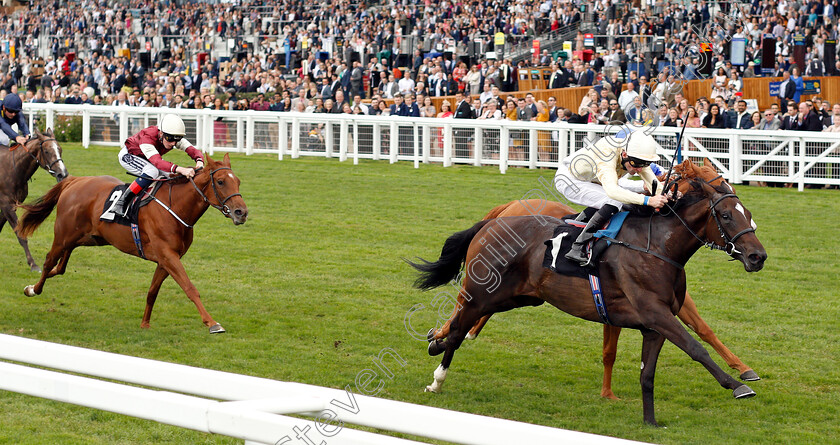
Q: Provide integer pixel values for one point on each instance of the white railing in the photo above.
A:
(741, 155)
(251, 408)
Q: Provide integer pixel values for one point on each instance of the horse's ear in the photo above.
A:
(35, 132)
(48, 132)
(708, 163)
(226, 160)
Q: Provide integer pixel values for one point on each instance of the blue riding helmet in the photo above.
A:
(12, 102)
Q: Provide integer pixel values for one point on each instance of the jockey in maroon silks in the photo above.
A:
(143, 153)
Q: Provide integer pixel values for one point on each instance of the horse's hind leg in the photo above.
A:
(611, 334)
(651, 346)
(9, 215)
(691, 317)
(458, 328)
(157, 280)
(56, 252)
(476, 329)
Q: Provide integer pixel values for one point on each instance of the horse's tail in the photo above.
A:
(497, 211)
(39, 211)
(452, 255)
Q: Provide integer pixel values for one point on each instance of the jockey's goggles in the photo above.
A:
(172, 137)
(636, 162)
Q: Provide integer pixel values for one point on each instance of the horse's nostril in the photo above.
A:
(238, 212)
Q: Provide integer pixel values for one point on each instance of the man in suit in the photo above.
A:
(545, 59)
(356, 80)
(326, 90)
(412, 110)
(335, 83)
(787, 89)
(769, 121)
(588, 75)
(615, 113)
(399, 108)
(789, 119)
(807, 119)
(506, 76)
(463, 110)
(556, 79)
(391, 88)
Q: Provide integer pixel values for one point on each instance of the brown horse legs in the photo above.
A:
(10, 216)
(172, 264)
(691, 317)
(611, 334)
(666, 325)
(157, 280)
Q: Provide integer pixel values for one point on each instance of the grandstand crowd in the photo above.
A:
(296, 56)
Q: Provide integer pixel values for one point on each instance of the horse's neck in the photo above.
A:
(681, 243)
(186, 202)
(666, 235)
(20, 168)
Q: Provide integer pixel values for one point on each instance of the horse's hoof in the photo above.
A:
(609, 395)
(217, 329)
(35, 269)
(470, 336)
(430, 389)
(430, 336)
(743, 392)
(29, 291)
(750, 376)
(436, 347)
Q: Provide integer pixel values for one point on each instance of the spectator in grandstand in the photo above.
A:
(799, 82)
(714, 119)
(693, 120)
(510, 110)
(615, 113)
(789, 119)
(835, 126)
(491, 112)
(626, 99)
(523, 111)
(768, 122)
(740, 117)
(445, 109)
(590, 98)
(807, 119)
(427, 110)
(635, 114)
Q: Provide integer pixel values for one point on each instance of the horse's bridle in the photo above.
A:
(729, 246)
(47, 167)
(222, 207)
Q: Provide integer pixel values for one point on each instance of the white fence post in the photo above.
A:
(355, 143)
(85, 126)
(249, 135)
(377, 142)
(240, 134)
(416, 147)
(295, 138)
(329, 139)
(736, 168)
(447, 145)
(504, 148)
(342, 141)
(50, 118)
(803, 161)
(478, 146)
(427, 143)
(124, 127)
(395, 142)
(283, 137)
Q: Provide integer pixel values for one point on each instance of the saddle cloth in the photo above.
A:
(134, 206)
(564, 236)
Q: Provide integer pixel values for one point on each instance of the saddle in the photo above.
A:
(140, 200)
(564, 236)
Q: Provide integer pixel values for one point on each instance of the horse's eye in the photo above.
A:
(220, 182)
(724, 215)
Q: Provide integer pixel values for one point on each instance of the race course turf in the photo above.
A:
(313, 286)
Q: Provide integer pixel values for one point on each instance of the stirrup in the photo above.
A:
(578, 255)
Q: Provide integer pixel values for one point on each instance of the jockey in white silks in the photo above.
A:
(590, 177)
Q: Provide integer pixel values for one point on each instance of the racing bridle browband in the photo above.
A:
(222, 207)
(729, 246)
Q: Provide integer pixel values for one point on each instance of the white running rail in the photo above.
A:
(789, 157)
(250, 408)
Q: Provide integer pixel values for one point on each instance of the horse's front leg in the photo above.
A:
(151, 297)
(611, 334)
(651, 346)
(9, 215)
(662, 321)
(691, 317)
(171, 262)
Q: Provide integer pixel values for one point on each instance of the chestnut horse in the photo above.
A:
(688, 313)
(166, 227)
(642, 289)
(17, 165)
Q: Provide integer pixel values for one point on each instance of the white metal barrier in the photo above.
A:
(741, 155)
(245, 407)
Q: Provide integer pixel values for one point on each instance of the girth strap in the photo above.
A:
(135, 233)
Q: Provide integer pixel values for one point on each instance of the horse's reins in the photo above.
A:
(222, 207)
(47, 167)
(729, 246)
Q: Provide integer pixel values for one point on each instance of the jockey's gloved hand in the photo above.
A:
(199, 164)
(186, 171)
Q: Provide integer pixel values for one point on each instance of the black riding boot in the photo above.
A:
(586, 213)
(578, 250)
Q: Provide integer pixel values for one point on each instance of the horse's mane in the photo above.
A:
(689, 178)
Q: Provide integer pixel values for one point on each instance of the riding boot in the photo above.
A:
(585, 214)
(120, 205)
(578, 249)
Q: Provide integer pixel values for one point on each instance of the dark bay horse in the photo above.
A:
(17, 166)
(165, 239)
(641, 290)
(688, 312)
